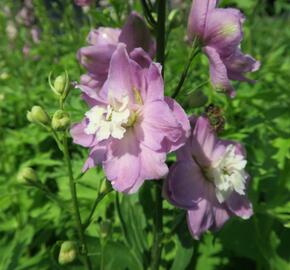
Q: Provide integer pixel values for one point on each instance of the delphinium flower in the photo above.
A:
(209, 179)
(220, 33)
(132, 126)
(102, 44)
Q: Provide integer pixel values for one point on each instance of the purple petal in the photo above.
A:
(182, 118)
(198, 17)
(186, 185)
(104, 36)
(238, 64)
(79, 136)
(135, 34)
(218, 72)
(153, 164)
(97, 155)
(224, 30)
(96, 59)
(141, 57)
(155, 123)
(240, 205)
(203, 141)
(119, 76)
(122, 166)
(201, 219)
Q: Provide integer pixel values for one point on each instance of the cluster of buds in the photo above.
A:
(60, 120)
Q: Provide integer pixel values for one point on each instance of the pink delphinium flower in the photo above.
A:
(208, 180)
(103, 42)
(132, 126)
(83, 3)
(220, 32)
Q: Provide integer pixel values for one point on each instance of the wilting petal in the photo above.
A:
(122, 166)
(79, 136)
(198, 16)
(135, 34)
(218, 72)
(104, 36)
(240, 205)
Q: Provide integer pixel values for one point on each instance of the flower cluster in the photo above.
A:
(131, 126)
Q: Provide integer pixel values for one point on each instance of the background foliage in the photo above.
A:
(32, 221)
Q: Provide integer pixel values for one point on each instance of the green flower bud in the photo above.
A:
(38, 115)
(61, 84)
(60, 120)
(106, 186)
(105, 228)
(25, 175)
(68, 252)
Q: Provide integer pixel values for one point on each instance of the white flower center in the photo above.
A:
(228, 174)
(110, 121)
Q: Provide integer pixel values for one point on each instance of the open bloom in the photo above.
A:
(103, 42)
(132, 126)
(208, 180)
(220, 32)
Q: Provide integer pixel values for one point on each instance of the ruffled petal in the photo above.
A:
(155, 123)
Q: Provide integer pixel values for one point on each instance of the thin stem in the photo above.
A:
(194, 52)
(147, 13)
(75, 203)
(100, 197)
(158, 216)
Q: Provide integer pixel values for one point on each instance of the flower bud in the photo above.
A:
(60, 120)
(106, 186)
(105, 228)
(25, 175)
(38, 115)
(61, 84)
(67, 253)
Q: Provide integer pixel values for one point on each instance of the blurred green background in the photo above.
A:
(33, 221)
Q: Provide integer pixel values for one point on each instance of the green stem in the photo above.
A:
(194, 52)
(75, 204)
(100, 197)
(158, 215)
